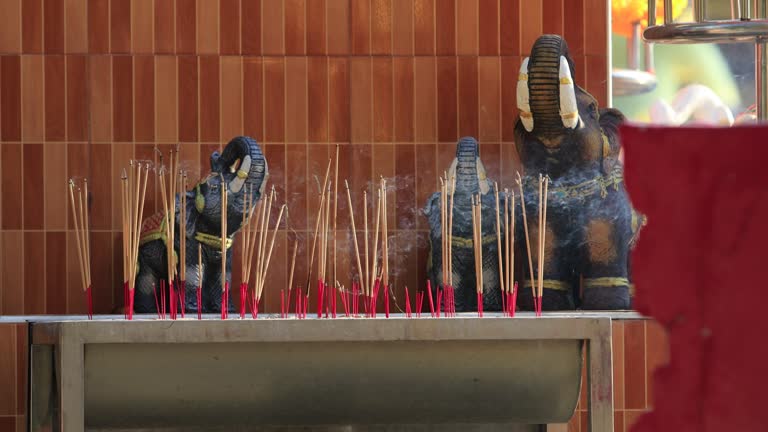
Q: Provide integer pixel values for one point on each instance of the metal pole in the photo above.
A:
(699, 10)
(745, 10)
(761, 79)
(651, 13)
(668, 12)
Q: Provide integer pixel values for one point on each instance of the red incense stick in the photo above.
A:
(183, 297)
(199, 303)
(429, 294)
(439, 301)
(125, 299)
(319, 298)
(419, 304)
(172, 299)
(244, 298)
(306, 305)
(386, 301)
(480, 304)
(89, 298)
(407, 304)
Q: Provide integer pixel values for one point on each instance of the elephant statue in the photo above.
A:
(244, 169)
(591, 225)
(471, 180)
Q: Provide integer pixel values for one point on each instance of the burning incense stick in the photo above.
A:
(384, 235)
(477, 224)
(317, 223)
(132, 212)
(354, 236)
(502, 281)
(374, 258)
(527, 237)
(80, 220)
(335, 210)
(543, 236)
(365, 236)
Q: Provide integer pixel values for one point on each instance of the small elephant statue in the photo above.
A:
(244, 169)
(469, 173)
(591, 225)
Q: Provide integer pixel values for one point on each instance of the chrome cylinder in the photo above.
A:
(668, 12)
(699, 10)
(745, 10)
(651, 13)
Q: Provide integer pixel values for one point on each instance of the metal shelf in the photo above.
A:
(707, 32)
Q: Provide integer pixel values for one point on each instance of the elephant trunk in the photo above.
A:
(546, 94)
(468, 169)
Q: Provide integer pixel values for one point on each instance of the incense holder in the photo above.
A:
(591, 225)
(243, 168)
(471, 180)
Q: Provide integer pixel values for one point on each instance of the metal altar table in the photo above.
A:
(461, 373)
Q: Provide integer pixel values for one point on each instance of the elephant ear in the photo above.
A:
(432, 203)
(610, 120)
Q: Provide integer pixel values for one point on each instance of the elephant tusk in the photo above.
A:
(569, 110)
(523, 97)
(242, 174)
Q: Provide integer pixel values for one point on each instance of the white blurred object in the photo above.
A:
(696, 104)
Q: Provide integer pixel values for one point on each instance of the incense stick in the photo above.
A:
(543, 241)
(80, 220)
(365, 236)
(374, 258)
(502, 281)
(527, 237)
(354, 232)
(384, 235)
(317, 224)
(335, 210)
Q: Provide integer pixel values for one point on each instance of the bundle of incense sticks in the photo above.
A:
(446, 300)
(477, 231)
(248, 233)
(262, 251)
(506, 252)
(133, 193)
(223, 242)
(320, 221)
(183, 242)
(542, 231)
(384, 245)
(80, 218)
(519, 182)
(168, 192)
(199, 290)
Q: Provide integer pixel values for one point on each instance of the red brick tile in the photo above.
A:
(275, 154)
(445, 26)
(10, 98)
(425, 99)
(166, 93)
(402, 27)
(55, 186)
(315, 27)
(101, 281)
(531, 20)
(186, 26)
(55, 120)
(361, 26)
(295, 99)
(489, 99)
(208, 26)
(447, 110)
(553, 16)
(165, 35)
(229, 27)
(510, 67)
(467, 23)
(100, 187)
(8, 373)
(382, 99)
(210, 127)
(76, 24)
(273, 27)
(34, 278)
(404, 249)
(144, 98)
(122, 103)
(468, 97)
(101, 98)
(22, 347)
(338, 99)
(142, 17)
(489, 27)
(31, 26)
(573, 27)
(405, 188)
(426, 178)
(149, 153)
(120, 26)
(403, 69)
(597, 79)
(338, 26)
(8, 423)
(187, 96)
(32, 98)
(77, 98)
(355, 165)
(55, 269)
(12, 275)
(10, 26)
(361, 100)
(250, 24)
(618, 365)
(634, 364)
(381, 27)
(53, 32)
(490, 152)
(34, 214)
(295, 192)
(509, 13)
(317, 99)
(11, 188)
(657, 353)
(295, 27)
(98, 26)
(253, 93)
(274, 100)
(231, 97)
(424, 27)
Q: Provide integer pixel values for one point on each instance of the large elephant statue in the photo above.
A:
(243, 167)
(591, 224)
(471, 179)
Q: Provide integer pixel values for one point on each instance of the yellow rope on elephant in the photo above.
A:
(606, 282)
(211, 240)
(587, 188)
(551, 284)
(468, 242)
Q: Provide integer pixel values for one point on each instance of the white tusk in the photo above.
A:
(242, 175)
(482, 177)
(452, 174)
(569, 110)
(523, 97)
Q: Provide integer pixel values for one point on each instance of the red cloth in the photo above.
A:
(700, 268)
